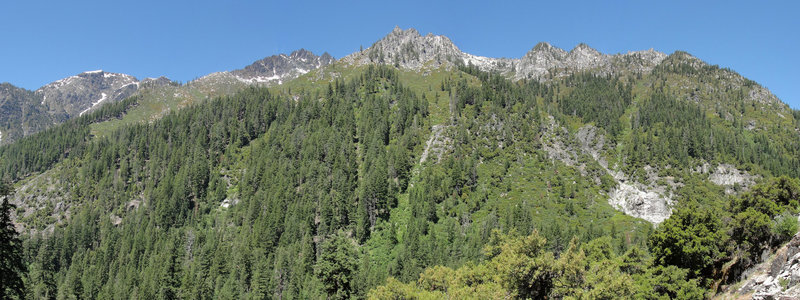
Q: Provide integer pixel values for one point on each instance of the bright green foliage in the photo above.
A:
(336, 266)
(667, 282)
(692, 238)
(786, 226)
(522, 264)
(696, 236)
(519, 267)
(468, 282)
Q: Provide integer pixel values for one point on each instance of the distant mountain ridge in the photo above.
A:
(282, 67)
(76, 95)
(408, 49)
(24, 112)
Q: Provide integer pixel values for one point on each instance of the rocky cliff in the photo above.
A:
(408, 49)
(76, 95)
(776, 278)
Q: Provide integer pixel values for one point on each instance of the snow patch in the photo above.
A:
(61, 82)
(259, 79)
(103, 98)
(93, 72)
(127, 84)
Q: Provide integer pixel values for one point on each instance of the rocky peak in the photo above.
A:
(583, 51)
(679, 62)
(543, 51)
(542, 46)
(539, 60)
(408, 49)
(682, 57)
(77, 94)
(279, 68)
(156, 82)
(583, 57)
(304, 55)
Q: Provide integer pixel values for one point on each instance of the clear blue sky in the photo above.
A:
(42, 41)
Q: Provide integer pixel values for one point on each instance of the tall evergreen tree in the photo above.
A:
(11, 266)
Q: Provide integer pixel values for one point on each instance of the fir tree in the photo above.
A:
(11, 265)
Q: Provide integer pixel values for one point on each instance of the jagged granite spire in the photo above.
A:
(410, 50)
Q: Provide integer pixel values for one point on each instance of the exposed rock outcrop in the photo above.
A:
(728, 176)
(22, 113)
(437, 144)
(271, 70)
(76, 95)
(408, 49)
(279, 68)
(777, 278)
(651, 202)
(637, 200)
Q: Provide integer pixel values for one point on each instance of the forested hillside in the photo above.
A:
(388, 183)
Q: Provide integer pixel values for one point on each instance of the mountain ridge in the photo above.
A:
(411, 50)
(73, 96)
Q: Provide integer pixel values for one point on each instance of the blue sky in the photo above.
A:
(43, 41)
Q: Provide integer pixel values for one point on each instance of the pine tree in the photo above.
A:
(336, 266)
(11, 265)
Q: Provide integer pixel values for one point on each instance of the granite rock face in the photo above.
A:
(410, 50)
(638, 200)
(279, 68)
(777, 278)
(271, 70)
(24, 112)
(77, 95)
(21, 113)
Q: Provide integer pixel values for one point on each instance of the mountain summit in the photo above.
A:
(24, 112)
(271, 70)
(278, 68)
(76, 95)
(410, 50)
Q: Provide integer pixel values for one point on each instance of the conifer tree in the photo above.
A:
(11, 266)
